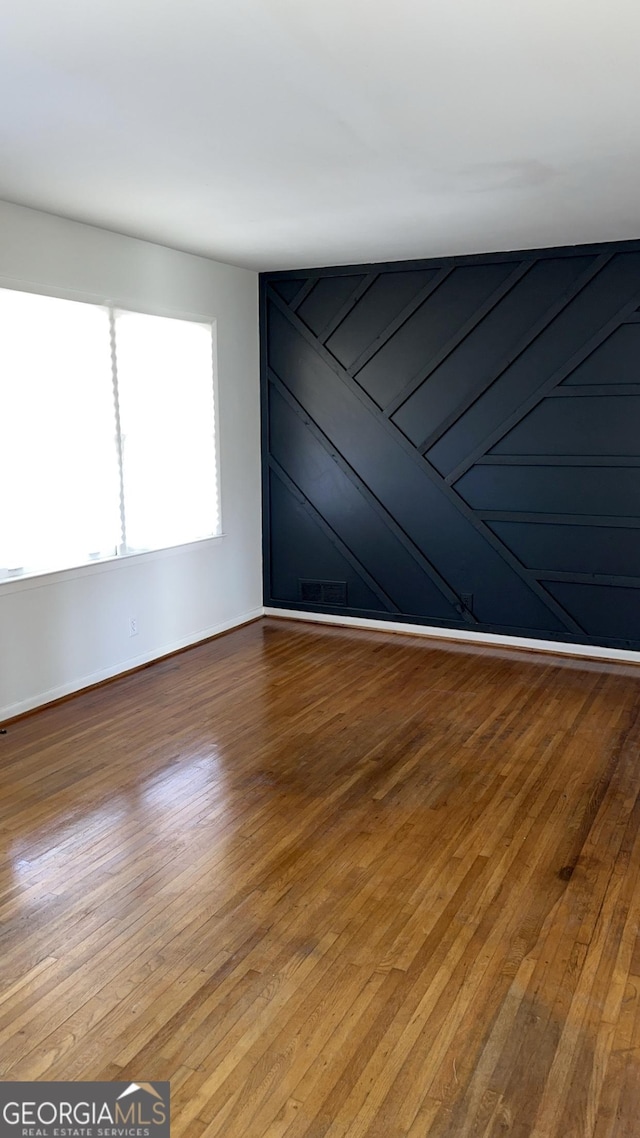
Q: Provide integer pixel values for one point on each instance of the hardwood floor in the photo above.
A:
(333, 883)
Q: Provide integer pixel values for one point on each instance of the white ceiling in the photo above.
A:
(282, 133)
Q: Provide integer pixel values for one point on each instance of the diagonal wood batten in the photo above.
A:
(333, 882)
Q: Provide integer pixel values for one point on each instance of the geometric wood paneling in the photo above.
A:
(459, 440)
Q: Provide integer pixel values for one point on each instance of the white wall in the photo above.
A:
(63, 631)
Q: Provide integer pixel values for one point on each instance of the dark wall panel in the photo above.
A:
(607, 612)
(339, 500)
(384, 301)
(403, 358)
(458, 441)
(617, 361)
(466, 370)
(602, 293)
(582, 549)
(318, 556)
(608, 490)
(325, 301)
(602, 425)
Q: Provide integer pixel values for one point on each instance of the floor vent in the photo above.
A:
(323, 592)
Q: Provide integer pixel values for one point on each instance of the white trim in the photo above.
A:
(495, 640)
(124, 666)
(488, 639)
(46, 577)
(216, 418)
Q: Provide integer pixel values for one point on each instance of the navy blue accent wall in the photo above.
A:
(457, 442)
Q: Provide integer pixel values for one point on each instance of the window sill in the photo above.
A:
(47, 577)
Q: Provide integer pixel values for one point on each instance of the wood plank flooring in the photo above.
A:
(333, 883)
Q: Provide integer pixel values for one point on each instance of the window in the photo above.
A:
(108, 433)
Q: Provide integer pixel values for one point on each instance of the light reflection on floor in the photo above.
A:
(53, 854)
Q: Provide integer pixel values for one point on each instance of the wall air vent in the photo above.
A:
(323, 592)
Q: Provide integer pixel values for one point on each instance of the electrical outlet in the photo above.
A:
(133, 626)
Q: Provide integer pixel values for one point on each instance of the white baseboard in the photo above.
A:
(495, 640)
(489, 639)
(122, 667)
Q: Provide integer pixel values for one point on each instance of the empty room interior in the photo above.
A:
(320, 569)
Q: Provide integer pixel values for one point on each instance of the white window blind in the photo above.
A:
(164, 378)
(101, 452)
